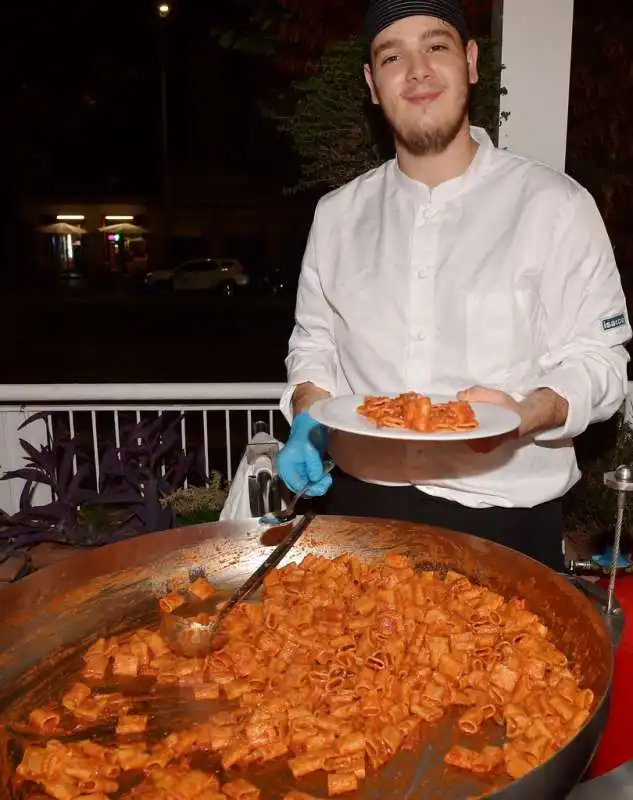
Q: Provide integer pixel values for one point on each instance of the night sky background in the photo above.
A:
(80, 84)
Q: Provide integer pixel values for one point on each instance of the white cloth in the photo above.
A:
(237, 505)
(503, 277)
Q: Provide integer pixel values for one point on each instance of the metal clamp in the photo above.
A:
(614, 620)
(264, 484)
(621, 481)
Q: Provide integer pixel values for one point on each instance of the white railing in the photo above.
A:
(218, 417)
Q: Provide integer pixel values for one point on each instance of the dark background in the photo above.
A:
(81, 118)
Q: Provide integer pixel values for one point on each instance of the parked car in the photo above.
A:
(200, 275)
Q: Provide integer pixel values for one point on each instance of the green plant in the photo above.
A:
(327, 118)
(198, 504)
(484, 99)
(591, 506)
(335, 131)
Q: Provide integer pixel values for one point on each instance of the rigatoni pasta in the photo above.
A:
(417, 412)
(341, 666)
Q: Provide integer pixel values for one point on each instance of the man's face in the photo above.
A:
(420, 75)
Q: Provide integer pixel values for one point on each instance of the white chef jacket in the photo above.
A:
(502, 277)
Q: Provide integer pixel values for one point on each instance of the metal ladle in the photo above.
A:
(194, 629)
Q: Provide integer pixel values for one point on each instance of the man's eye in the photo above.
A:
(390, 59)
(436, 48)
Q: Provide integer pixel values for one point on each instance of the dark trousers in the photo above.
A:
(537, 532)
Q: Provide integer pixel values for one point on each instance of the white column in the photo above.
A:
(536, 53)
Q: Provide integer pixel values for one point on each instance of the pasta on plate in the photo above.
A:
(342, 664)
(417, 412)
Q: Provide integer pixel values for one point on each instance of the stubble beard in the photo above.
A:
(433, 140)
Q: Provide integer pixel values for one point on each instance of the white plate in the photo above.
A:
(340, 413)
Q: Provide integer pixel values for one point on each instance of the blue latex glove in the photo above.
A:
(300, 461)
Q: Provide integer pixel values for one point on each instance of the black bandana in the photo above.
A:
(383, 13)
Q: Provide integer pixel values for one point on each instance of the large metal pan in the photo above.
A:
(47, 619)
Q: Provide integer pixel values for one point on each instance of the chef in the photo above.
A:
(458, 269)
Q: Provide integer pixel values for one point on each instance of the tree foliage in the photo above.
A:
(296, 33)
(335, 131)
(65, 107)
(328, 119)
(324, 106)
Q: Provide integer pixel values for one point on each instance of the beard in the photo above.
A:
(432, 139)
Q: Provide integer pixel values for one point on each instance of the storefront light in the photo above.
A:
(69, 217)
(119, 217)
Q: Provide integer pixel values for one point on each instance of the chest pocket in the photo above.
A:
(499, 333)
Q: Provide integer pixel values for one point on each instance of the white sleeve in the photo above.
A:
(311, 350)
(587, 321)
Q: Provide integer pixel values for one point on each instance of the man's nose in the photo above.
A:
(418, 67)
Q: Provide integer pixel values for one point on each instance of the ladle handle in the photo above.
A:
(328, 466)
(257, 578)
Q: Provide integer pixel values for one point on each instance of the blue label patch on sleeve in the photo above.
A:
(613, 322)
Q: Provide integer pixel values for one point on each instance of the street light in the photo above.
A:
(164, 10)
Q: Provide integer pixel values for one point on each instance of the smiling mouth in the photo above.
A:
(423, 99)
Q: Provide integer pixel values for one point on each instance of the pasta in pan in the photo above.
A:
(417, 412)
(342, 665)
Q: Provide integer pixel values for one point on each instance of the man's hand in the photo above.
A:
(305, 395)
(300, 462)
(541, 410)
(479, 394)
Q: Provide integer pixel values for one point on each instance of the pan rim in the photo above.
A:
(189, 539)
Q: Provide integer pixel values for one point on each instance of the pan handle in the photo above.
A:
(615, 620)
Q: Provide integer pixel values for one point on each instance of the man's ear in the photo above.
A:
(472, 56)
(369, 78)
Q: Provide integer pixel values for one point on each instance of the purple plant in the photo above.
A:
(149, 465)
(52, 466)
